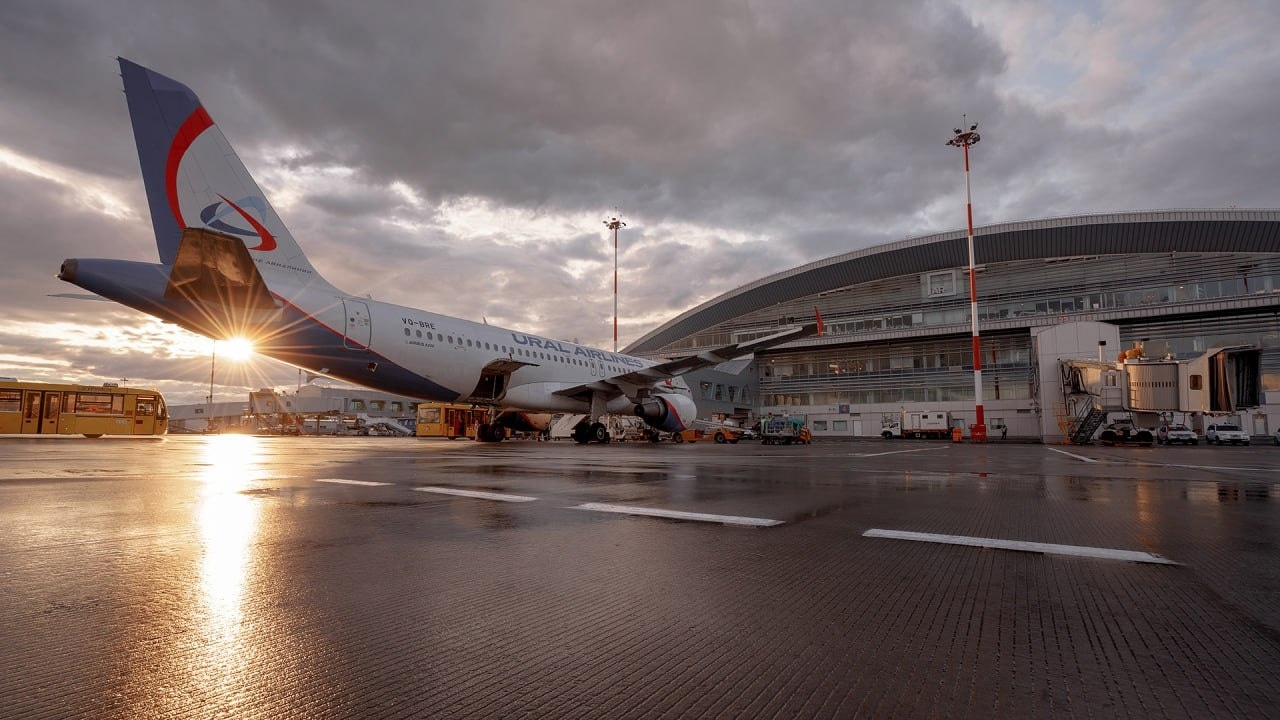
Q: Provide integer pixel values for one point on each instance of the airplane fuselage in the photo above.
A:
(394, 348)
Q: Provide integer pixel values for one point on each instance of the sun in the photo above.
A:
(237, 349)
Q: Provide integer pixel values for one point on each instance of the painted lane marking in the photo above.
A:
(1078, 457)
(896, 452)
(1048, 548)
(678, 515)
(501, 497)
(1220, 467)
(342, 481)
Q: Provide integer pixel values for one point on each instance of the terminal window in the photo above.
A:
(940, 284)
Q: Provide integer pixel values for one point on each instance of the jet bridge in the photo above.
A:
(1220, 381)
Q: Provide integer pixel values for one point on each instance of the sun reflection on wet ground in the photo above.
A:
(227, 522)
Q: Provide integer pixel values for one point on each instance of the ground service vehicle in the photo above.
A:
(724, 435)
(29, 408)
(449, 420)
(931, 424)
(1124, 433)
(1175, 434)
(785, 431)
(1222, 433)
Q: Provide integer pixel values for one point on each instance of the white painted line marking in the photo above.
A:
(342, 481)
(897, 452)
(1078, 457)
(501, 497)
(1049, 548)
(1222, 467)
(679, 515)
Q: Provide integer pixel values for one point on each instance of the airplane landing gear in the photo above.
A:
(591, 432)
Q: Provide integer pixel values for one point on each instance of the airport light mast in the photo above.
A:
(615, 224)
(964, 139)
(213, 359)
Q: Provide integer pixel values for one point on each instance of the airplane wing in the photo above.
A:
(711, 358)
(613, 386)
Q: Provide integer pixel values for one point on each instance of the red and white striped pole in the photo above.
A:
(963, 139)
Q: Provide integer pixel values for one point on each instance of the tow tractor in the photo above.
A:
(1124, 432)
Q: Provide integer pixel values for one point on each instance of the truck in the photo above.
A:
(918, 424)
(784, 430)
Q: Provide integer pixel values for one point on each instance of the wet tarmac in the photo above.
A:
(248, 577)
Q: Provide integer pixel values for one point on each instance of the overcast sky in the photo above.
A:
(461, 156)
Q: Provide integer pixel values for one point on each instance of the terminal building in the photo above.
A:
(1176, 284)
(308, 404)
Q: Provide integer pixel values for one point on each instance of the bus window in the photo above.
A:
(32, 406)
(10, 400)
(100, 404)
(146, 406)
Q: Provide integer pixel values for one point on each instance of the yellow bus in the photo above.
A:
(31, 408)
(451, 421)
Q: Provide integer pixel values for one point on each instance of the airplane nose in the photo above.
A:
(67, 271)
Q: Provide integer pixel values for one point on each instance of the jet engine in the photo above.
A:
(667, 412)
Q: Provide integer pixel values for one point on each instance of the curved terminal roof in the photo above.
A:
(1248, 231)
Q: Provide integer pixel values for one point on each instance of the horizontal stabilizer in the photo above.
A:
(78, 296)
(212, 268)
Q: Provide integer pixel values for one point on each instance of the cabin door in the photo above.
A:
(359, 330)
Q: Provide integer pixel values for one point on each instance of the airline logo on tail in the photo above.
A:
(211, 215)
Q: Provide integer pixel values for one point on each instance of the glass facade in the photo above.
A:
(927, 371)
(1037, 291)
(908, 336)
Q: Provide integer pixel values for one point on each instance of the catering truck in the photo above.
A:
(914, 424)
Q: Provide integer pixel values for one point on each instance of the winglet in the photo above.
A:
(821, 325)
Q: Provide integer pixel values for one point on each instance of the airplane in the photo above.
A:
(229, 268)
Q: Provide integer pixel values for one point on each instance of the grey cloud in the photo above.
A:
(817, 126)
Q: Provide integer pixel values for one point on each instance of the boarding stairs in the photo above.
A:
(1087, 423)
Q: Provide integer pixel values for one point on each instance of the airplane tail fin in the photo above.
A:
(194, 179)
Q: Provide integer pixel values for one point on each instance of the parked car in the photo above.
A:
(1175, 434)
(1221, 433)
